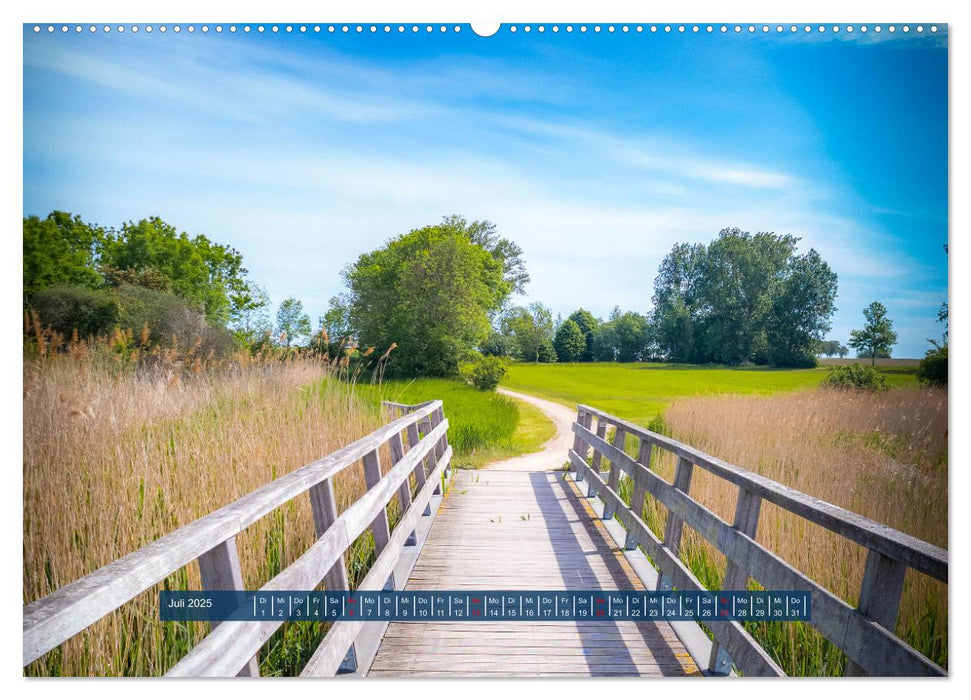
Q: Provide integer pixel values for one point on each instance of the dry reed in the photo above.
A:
(883, 456)
(119, 453)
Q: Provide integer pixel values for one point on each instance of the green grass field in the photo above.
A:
(640, 391)
(483, 426)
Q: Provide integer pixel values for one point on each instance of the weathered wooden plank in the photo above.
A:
(675, 523)
(59, 616)
(558, 547)
(620, 437)
(916, 554)
(465, 673)
(397, 450)
(639, 493)
(602, 434)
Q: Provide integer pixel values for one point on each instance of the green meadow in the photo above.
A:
(640, 391)
(483, 426)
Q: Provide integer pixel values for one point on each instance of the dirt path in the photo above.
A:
(554, 451)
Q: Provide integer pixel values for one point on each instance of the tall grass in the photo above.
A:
(480, 422)
(882, 456)
(120, 451)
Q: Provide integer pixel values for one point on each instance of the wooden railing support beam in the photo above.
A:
(219, 570)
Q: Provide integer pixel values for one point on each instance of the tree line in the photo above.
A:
(440, 296)
(145, 276)
(442, 293)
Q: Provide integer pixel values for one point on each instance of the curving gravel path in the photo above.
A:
(554, 452)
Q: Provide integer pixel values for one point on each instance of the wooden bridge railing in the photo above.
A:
(231, 647)
(865, 633)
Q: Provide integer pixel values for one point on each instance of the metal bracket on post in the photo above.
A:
(592, 489)
(721, 664)
(349, 664)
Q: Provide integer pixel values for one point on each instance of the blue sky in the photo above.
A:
(595, 152)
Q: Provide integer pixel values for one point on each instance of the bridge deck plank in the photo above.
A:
(524, 530)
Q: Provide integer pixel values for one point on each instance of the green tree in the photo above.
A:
(432, 291)
(251, 314)
(333, 335)
(60, 249)
(934, 365)
(742, 298)
(508, 253)
(677, 305)
(291, 321)
(569, 342)
(588, 326)
(829, 348)
(532, 329)
(741, 277)
(630, 337)
(877, 337)
(197, 269)
(801, 309)
(484, 372)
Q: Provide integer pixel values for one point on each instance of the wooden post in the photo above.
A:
(432, 461)
(602, 434)
(324, 507)
(613, 480)
(675, 524)
(404, 491)
(747, 510)
(438, 418)
(883, 584)
(220, 571)
(620, 438)
(420, 471)
(639, 493)
(579, 444)
(379, 527)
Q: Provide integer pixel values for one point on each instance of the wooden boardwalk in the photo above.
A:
(524, 530)
(520, 525)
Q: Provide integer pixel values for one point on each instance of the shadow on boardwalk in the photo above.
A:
(606, 644)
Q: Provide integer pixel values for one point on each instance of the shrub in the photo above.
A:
(171, 321)
(70, 307)
(484, 372)
(855, 376)
(933, 367)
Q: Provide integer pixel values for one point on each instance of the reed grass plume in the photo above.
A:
(121, 449)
